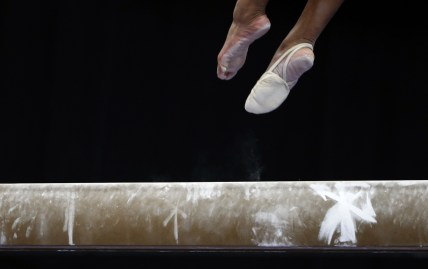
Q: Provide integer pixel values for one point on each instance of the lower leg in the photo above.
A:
(311, 23)
(270, 91)
(249, 23)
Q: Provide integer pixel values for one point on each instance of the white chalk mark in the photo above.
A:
(343, 215)
(15, 223)
(30, 227)
(42, 225)
(368, 208)
(269, 229)
(3, 239)
(12, 209)
(174, 213)
(133, 195)
(28, 231)
(70, 212)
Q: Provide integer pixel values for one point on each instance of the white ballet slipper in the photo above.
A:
(271, 90)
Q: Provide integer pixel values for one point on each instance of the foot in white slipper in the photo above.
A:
(275, 84)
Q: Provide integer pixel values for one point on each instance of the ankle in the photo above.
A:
(288, 43)
(249, 16)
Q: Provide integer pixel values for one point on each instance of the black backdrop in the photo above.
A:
(127, 91)
(103, 91)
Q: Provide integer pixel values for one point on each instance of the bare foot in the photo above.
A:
(234, 52)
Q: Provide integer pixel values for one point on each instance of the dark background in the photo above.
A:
(96, 91)
(126, 91)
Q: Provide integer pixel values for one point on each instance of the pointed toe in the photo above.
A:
(267, 95)
(271, 90)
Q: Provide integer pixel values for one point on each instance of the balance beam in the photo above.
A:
(218, 215)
